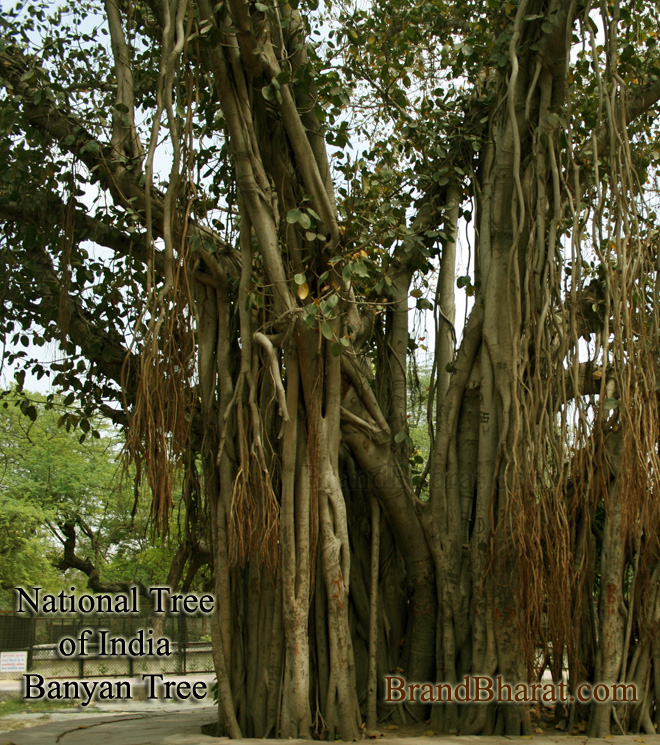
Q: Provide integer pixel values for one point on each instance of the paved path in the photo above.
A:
(168, 723)
(182, 727)
(122, 722)
(172, 728)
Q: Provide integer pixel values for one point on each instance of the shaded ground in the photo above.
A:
(140, 722)
(183, 728)
(543, 720)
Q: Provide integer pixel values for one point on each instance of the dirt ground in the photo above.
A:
(543, 723)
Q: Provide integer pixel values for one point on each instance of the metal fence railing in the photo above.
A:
(188, 637)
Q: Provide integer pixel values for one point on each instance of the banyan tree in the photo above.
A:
(232, 223)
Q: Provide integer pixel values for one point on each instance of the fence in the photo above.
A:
(188, 644)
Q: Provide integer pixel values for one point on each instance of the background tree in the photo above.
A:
(69, 517)
(246, 317)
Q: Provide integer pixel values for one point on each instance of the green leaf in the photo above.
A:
(261, 7)
(92, 147)
(297, 216)
(332, 301)
(610, 403)
(29, 77)
(360, 269)
(399, 437)
(300, 279)
(326, 330)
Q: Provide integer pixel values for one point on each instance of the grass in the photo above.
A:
(14, 704)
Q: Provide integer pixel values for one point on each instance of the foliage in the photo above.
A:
(51, 480)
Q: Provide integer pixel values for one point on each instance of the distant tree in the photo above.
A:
(25, 550)
(69, 516)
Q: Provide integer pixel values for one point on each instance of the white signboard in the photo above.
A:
(13, 662)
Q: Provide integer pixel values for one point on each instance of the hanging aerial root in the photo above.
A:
(255, 513)
(160, 419)
(552, 480)
(161, 416)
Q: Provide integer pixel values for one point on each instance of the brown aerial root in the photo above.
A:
(575, 459)
(254, 513)
(161, 416)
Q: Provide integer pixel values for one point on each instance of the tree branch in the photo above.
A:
(123, 184)
(102, 348)
(84, 226)
(71, 560)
